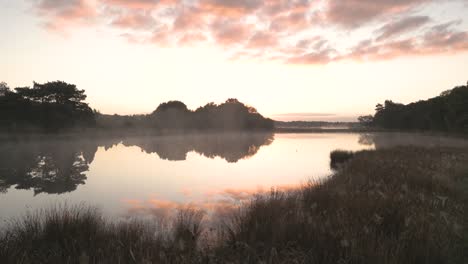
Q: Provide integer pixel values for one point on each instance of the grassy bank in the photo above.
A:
(402, 205)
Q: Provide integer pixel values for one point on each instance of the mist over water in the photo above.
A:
(151, 175)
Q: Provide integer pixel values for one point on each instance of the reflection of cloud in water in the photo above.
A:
(215, 203)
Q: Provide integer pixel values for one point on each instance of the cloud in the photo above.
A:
(315, 43)
(138, 4)
(135, 20)
(63, 14)
(262, 40)
(315, 57)
(401, 26)
(229, 32)
(438, 40)
(294, 21)
(367, 50)
(441, 39)
(354, 13)
(192, 38)
(229, 8)
(189, 19)
(292, 31)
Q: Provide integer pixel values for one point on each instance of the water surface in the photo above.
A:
(136, 176)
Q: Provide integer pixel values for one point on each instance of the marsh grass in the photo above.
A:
(389, 206)
(81, 234)
(402, 205)
(339, 157)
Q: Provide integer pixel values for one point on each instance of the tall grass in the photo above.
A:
(81, 234)
(339, 157)
(403, 205)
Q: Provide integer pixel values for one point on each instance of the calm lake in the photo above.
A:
(145, 176)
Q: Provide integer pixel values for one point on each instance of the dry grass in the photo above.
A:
(80, 234)
(399, 205)
(339, 157)
(402, 205)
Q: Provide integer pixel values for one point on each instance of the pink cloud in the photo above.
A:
(192, 38)
(354, 13)
(61, 15)
(318, 57)
(292, 22)
(262, 40)
(269, 29)
(229, 32)
(138, 4)
(229, 8)
(438, 40)
(189, 19)
(160, 36)
(284, 7)
(135, 20)
(401, 26)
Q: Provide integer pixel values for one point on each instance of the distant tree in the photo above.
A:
(366, 120)
(4, 89)
(230, 115)
(379, 107)
(171, 105)
(53, 92)
(171, 115)
(447, 112)
(445, 93)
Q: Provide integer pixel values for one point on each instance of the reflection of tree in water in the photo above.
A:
(230, 146)
(366, 139)
(394, 139)
(59, 166)
(54, 176)
(50, 167)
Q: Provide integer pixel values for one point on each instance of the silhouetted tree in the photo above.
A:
(54, 106)
(171, 115)
(231, 115)
(50, 106)
(447, 112)
(4, 89)
(366, 120)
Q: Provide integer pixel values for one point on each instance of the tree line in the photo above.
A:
(54, 106)
(49, 106)
(175, 115)
(446, 112)
(230, 115)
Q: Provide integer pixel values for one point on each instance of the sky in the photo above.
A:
(290, 59)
